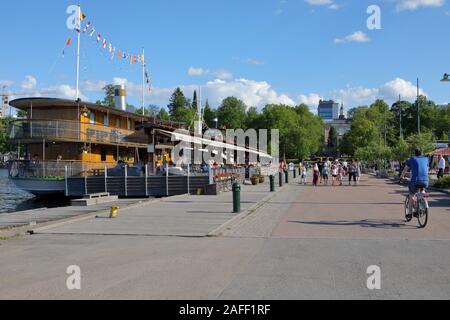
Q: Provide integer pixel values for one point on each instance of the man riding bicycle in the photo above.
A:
(419, 178)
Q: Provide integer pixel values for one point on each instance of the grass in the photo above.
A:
(16, 236)
(443, 183)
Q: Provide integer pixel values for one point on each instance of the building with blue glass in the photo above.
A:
(329, 110)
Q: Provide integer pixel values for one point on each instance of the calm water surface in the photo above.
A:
(13, 199)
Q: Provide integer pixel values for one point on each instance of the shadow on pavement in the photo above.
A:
(379, 224)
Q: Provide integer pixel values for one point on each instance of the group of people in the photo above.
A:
(337, 171)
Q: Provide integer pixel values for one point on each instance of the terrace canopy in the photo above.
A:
(442, 152)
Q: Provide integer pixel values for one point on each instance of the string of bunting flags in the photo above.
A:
(89, 30)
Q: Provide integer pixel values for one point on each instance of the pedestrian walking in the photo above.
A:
(358, 172)
(352, 172)
(335, 172)
(316, 176)
(303, 173)
(441, 167)
(325, 173)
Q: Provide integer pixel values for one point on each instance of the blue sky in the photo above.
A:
(262, 51)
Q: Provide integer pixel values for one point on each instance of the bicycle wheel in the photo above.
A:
(408, 217)
(422, 214)
(229, 185)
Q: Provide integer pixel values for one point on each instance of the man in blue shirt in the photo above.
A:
(419, 177)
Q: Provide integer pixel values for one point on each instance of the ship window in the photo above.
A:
(92, 118)
(117, 122)
(129, 124)
(106, 120)
(103, 155)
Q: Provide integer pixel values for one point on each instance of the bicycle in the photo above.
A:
(420, 208)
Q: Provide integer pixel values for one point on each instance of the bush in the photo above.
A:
(443, 183)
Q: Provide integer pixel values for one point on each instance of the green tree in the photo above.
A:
(332, 138)
(163, 115)
(253, 119)
(109, 100)
(424, 141)
(179, 108)
(209, 115)
(195, 101)
(4, 128)
(232, 113)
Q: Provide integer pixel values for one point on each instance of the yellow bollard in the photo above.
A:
(114, 212)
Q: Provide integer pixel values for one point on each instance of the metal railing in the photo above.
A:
(35, 169)
(72, 130)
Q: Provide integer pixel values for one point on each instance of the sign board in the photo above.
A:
(151, 148)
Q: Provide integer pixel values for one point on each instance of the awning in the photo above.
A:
(442, 152)
(216, 144)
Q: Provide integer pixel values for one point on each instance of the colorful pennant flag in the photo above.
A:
(86, 28)
(99, 37)
(92, 32)
(68, 42)
(104, 43)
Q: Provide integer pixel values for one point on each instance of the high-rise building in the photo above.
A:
(329, 110)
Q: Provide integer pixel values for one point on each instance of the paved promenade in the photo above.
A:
(300, 243)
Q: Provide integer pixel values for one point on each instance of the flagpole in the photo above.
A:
(78, 53)
(143, 81)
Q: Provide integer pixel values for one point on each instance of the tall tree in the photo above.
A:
(179, 108)
(332, 138)
(109, 100)
(163, 115)
(195, 101)
(209, 115)
(232, 113)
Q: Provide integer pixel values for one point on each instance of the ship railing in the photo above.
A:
(55, 170)
(72, 130)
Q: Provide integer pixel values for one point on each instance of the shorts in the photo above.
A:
(325, 176)
(414, 186)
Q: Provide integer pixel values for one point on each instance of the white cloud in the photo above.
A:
(63, 91)
(197, 72)
(390, 91)
(311, 100)
(29, 83)
(335, 6)
(415, 4)
(357, 36)
(6, 83)
(406, 89)
(223, 74)
(319, 2)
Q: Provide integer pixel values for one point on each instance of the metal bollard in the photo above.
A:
(280, 178)
(295, 173)
(236, 197)
(272, 183)
(287, 176)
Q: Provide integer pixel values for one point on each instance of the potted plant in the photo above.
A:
(255, 180)
(262, 179)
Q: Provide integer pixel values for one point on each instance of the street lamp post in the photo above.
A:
(216, 120)
(418, 107)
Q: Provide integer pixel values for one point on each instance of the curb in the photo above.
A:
(57, 223)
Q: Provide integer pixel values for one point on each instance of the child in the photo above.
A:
(316, 176)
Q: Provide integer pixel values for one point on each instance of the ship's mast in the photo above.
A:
(78, 52)
(143, 81)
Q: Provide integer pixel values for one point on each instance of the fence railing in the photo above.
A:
(72, 130)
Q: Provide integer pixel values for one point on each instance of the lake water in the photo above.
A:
(13, 199)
